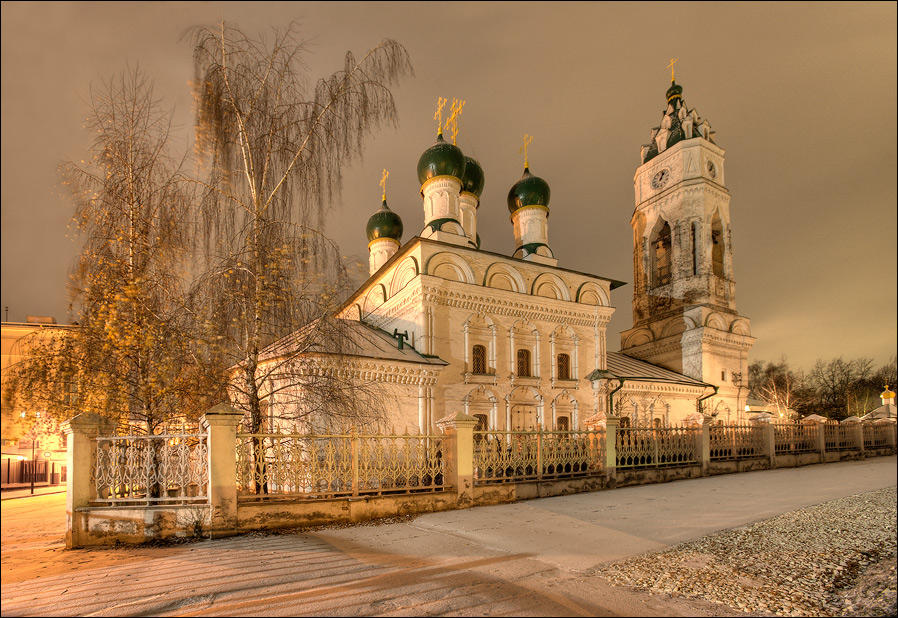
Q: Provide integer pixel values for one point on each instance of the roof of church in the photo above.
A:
(887, 411)
(622, 366)
(678, 123)
(355, 339)
(407, 247)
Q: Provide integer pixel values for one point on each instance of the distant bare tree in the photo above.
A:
(838, 383)
(275, 147)
(777, 384)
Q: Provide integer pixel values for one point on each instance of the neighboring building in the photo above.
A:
(518, 340)
(886, 411)
(28, 434)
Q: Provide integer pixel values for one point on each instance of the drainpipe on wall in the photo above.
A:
(701, 399)
(604, 374)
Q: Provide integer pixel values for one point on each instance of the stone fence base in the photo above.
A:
(114, 525)
(221, 511)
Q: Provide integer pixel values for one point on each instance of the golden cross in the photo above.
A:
(527, 140)
(452, 120)
(672, 60)
(383, 183)
(441, 103)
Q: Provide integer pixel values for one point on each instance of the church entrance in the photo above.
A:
(523, 418)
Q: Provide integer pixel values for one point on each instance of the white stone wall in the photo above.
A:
(448, 299)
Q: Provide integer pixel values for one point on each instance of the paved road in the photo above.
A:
(530, 558)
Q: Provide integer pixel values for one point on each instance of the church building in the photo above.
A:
(519, 340)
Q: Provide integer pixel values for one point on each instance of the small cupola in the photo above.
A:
(528, 203)
(384, 224)
(473, 179)
(441, 159)
(384, 232)
(530, 190)
(887, 396)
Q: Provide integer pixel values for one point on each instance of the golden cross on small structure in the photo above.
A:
(527, 140)
(671, 66)
(383, 183)
(441, 103)
(453, 118)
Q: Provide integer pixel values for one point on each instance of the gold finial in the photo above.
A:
(383, 183)
(441, 103)
(671, 67)
(452, 120)
(527, 140)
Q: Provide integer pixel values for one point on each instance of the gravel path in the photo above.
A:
(832, 559)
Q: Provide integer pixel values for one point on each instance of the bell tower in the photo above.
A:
(684, 290)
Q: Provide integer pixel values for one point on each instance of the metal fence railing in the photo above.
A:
(876, 435)
(839, 437)
(731, 442)
(174, 468)
(349, 464)
(154, 468)
(512, 456)
(793, 438)
(642, 447)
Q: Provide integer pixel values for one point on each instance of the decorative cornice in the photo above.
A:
(535, 309)
(383, 371)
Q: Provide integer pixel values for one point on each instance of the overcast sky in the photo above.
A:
(802, 97)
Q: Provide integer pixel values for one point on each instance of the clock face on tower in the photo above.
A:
(660, 179)
(712, 169)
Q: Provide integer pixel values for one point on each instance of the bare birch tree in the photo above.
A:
(128, 358)
(275, 145)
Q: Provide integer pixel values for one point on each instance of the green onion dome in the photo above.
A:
(674, 92)
(473, 179)
(384, 224)
(530, 190)
(441, 159)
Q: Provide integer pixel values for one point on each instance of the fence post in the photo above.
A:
(612, 423)
(458, 456)
(891, 430)
(856, 428)
(221, 424)
(354, 446)
(768, 440)
(820, 438)
(539, 451)
(81, 433)
(706, 445)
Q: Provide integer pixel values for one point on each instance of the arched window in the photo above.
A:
(563, 423)
(718, 250)
(694, 237)
(564, 366)
(523, 364)
(478, 359)
(661, 248)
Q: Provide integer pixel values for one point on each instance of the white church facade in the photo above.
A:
(518, 340)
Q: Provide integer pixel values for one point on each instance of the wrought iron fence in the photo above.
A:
(156, 469)
(792, 438)
(640, 447)
(322, 466)
(512, 456)
(736, 442)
